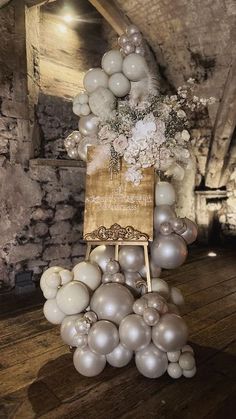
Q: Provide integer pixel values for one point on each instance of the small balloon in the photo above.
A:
(119, 357)
(173, 356)
(81, 341)
(151, 316)
(174, 370)
(50, 293)
(73, 297)
(187, 361)
(90, 316)
(178, 225)
(81, 98)
(170, 333)
(151, 362)
(119, 85)
(190, 234)
(102, 102)
(85, 110)
(131, 29)
(102, 255)
(112, 267)
(166, 228)
(136, 39)
(66, 276)
(155, 271)
(176, 296)
(133, 280)
(103, 337)
(134, 332)
(47, 273)
(140, 305)
(189, 373)
(52, 312)
(164, 193)
(187, 348)
(128, 48)
(73, 153)
(135, 67)
(82, 325)
(94, 78)
(88, 363)
(88, 273)
(161, 286)
(131, 258)
(118, 278)
(88, 125)
(69, 333)
(106, 277)
(140, 50)
(122, 40)
(112, 62)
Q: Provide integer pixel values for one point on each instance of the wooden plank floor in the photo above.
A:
(37, 377)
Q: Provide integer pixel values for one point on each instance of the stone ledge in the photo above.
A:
(56, 163)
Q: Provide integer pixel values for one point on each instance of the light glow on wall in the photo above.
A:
(212, 254)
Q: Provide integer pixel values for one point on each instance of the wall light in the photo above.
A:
(68, 18)
(212, 254)
(62, 28)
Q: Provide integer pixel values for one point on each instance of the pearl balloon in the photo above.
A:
(103, 337)
(81, 98)
(119, 85)
(82, 325)
(48, 272)
(155, 271)
(69, 333)
(119, 357)
(176, 296)
(112, 267)
(76, 109)
(164, 194)
(166, 228)
(173, 356)
(73, 153)
(162, 214)
(151, 316)
(160, 286)
(190, 234)
(178, 225)
(122, 40)
(170, 333)
(132, 279)
(128, 48)
(187, 361)
(91, 316)
(49, 293)
(66, 276)
(53, 280)
(131, 258)
(169, 252)
(112, 302)
(155, 300)
(187, 348)
(89, 273)
(106, 277)
(134, 332)
(135, 67)
(88, 363)
(151, 362)
(52, 312)
(189, 373)
(85, 110)
(102, 255)
(88, 125)
(81, 341)
(136, 39)
(131, 29)
(118, 278)
(94, 78)
(140, 50)
(139, 306)
(112, 62)
(102, 102)
(73, 297)
(174, 370)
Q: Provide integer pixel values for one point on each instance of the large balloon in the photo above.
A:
(73, 297)
(69, 333)
(170, 333)
(162, 214)
(155, 271)
(52, 312)
(119, 84)
(89, 273)
(66, 276)
(49, 293)
(103, 337)
(131, 258)
(88, 363)
(169, 252)
(102, 255)
(47, 273)
(164, 194)
(102, 102)
(94, 78)
(151, 362)
(88, 125)
(135, 67)
(161, 286)
(132, 280)
(134, 332)
(119, 357)
(112, 62)
(190, 234)
(112, 302)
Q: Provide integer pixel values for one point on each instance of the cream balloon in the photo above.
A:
(49, 271)
(119, 84)
(187, 361)
(81, 98)
(162, 214)
(77, 108)
(170, 333)
(53, 280)
(85, 110)
(174, 370)
(169, 252)
(89, 273)
(189, 373)
(88, 363)
(52, 312)
(135, 67)
(151, 362)
(68, 331)
(119, 357)
(94, 78)
(164, 193)
(50, 293)
(161, 286)
(88, 125)
(102, 102)
(102, 255)
(112, 62)
(176, 296)
(134, 332)
(131, 258)
(73, 297)
(173, 356)
(187, 348)
(103, 337)
(66, 276)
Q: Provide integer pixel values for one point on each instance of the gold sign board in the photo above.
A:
(116, 209)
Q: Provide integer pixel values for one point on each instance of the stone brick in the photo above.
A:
(25, 252)
(60, 228)
(64, 212)
(42, 214)
(40, 229)
(56, 252)
(78, 249)
(56, 196)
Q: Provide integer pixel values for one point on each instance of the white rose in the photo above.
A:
(185, 135)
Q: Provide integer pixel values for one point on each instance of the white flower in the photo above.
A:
(144, 128)
(133, 175)
(181, 114)
(106, 135)
(185, 135)
(120, 144)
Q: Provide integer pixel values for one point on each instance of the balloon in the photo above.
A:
(155, 300)
(94, 78)
(66, 276)
(112, 302)
(112, 62)
(173, 356)
(81, 341)
(165, 228)
(103, 337)
(112, 267)
(48, 272)
(53, 280)
(106, 277)
(76, 109)
(102, 102)
(50, 293)
(81, 98)
(131, 29)
(132, 280)
(119, 85)
(172, 308)
(88, 363)
(155, 271)
(73, 153)
(161, 286)
(176, 296)
(118, 278)
(164, 193)
(174, 370)
(134, 333)
(69, 333)
(169, 252)
(73, 297)
(102, 255)
(136, 39)
(189, 373)
(190, 234)
(151, 362)
(170, 333)
(140, 305)
(82, 325)
(151, 316)
(140, 50)
(131, 258)
(52, 312)
(119, 357)
(162, 214)
(85, 110)
(187, 361)
(89, 273)
(82, 147)
(135, 67)
(91, 317)
(88, 125)
(187, 348)
(178, 225)
(128, 48)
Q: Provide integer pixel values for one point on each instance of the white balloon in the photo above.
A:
(189, 373)
(85, 109)
(53, 280)
(102, 255)
(94, 78)
(46, 273)
(80, 98)
(49, 293)
(89, 273)
(161, 287)
(187, 361)
(73, 297)
(88, 125)
(187, 348)
(135, 67)
(77, 109)
(52, 312)
(102, 102)
(66, 276)
(119, 84)
(112, 62)
(173, 356)
(176, 296)
(174, 370)
(68, 331)
(164, 194)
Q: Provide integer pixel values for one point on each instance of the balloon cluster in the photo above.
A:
(131, 41)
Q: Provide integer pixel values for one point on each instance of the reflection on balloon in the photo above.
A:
(151, 361)
(88, 363)
(131, 258)
(162, 214)
(103, 337)
(170, 333)
(119, 357)
(88, 125)
(94, 78)
(134, 333)
(102, 255)
(169, 252)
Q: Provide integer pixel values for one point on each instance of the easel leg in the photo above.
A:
(88, 250)
(146, 258)
(116, 252)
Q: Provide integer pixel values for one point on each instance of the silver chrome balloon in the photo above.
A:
(163, 214)
(88, 363)
(151, 361)
(119, 357)
(131, 258)
(190, 234)
(169, 252)
(134, 332)
(170, 333)
(103, 337)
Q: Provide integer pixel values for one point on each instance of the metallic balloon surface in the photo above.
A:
(135, 67)
(103, 337)
(119, 357)
(151, 316)
(134, 332)
(131, 258)
(69, 333)
(155, 271)
(88, 363)
(94, 78)
(132, 280)
(88, 273)
(52, 312)
(140, 305)
(169, 252)
(190, 234)
(73, 297)
(102, 255)
(164, 193)
(112, 62)
(112, 267)
(151, 361)
(170, 333)
(112, 302)
(162, 214)
(88, 125)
